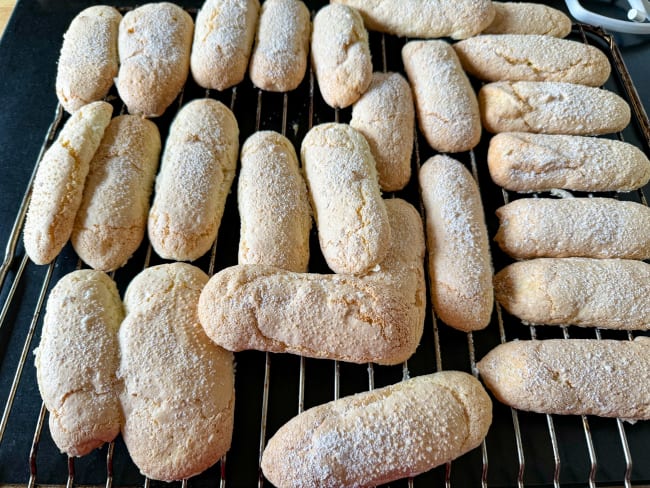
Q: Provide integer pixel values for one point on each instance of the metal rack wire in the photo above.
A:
(260, 375)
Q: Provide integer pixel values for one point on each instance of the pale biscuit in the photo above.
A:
(279, 58)
(518, 57)
(528, 18)
(76, 361)
(379, 436)
(154, 45)
(178, 396)
(426, 19)
(551, 107)
(273, 204)
(572, 376)
(574, 227)
(197, 170)
(59, 182)
(460, 265)
(378, 317)
(225, 30)
(385, 116)
(445, 102)
(112, 217)
(606, 293)
(350, 214)
(88, 62)
(340, 55)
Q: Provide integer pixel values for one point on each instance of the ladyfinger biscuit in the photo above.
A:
(60, 180)
(445, 102)
(76, 361)
(426, 19)
(574, 227)
(607, 293)
(279, 58)
(551, 107)
(460, 267)
(526, 162)
(379, 436)
(112, 217)
(517, 57)
(88, 62)
(386, 118)
(528, 18)
(273, 204)
(340, 55)
(178, 398)
(607, 378)
(350, 214)
(197, 170)
(225, 30)
(378, 317)
(154, 45)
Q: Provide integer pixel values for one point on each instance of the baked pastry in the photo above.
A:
(606, 378)
(426, 19)
(88, 62)
(197, 170)
(60, 180)
(381, 435)
(528, 18)
(350, 214)
(225, 30)
(76, 361)
(606, 293)
(526, 162)
(385, 116)
(445, 102)
(460, 266)
(273, 204)
(154, 45)
(178, 397)
(527, 57)
(340, 55)
(551, 107)
(112, 217)
(377, 317)
(279, 58)
(574, 227)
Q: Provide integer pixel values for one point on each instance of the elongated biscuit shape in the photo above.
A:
(607, 293)
(340, 55)
(197, 170)
(154, 45)
(178, 397)
(518, 57)
(551, 107)
(350, 214)
(386, 117)
(225, 30)
(112, 217)
(607, 378)
(528, 18)
(426, 19)
(382, 435)
(88, 62)
(279, 58)
(526, 162)
(60, 180)
(76, 361)
(445, 102)
(460, 266)
(378, 317)
(273, 204)
(574, 227)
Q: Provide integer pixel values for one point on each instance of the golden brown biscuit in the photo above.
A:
(528, 18)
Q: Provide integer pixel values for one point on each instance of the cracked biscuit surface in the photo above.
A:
(528, 18)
